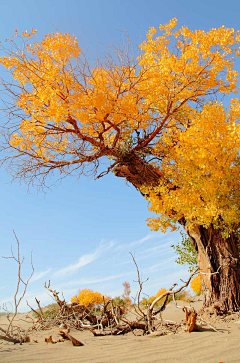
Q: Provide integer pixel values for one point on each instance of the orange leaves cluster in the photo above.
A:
(196, 284)
(88, 298)
(152, 298)
(202, 169)
(158, 105)
(69, 107)
(43, 78)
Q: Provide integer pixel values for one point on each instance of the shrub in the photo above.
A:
(88, 298)
(196, 285)
(119, 301)
(74, 299)
(182, 295)
(126, 293)
(149, 301)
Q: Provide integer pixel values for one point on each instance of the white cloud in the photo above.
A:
(161, 265)
(39, 275)
(168, 279)
(84, 260)
(143, 240)
(89, 281)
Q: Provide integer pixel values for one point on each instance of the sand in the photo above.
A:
(202, 346)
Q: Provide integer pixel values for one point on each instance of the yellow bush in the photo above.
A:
(196, 285)
(88, 298)
(161, 291)
(152, 298)
(74, 299)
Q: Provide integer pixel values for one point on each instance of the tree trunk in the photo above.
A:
(218, 257)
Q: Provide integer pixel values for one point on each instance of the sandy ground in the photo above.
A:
(203, 346)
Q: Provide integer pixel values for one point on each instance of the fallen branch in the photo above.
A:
(171, 291)
(73, 340)
(206, 322)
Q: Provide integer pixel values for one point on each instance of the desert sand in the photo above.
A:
(201, 346)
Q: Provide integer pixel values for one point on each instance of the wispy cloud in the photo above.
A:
(89, 281)
(39, 275)
(160, 250)
(142, 240)
(161, 265)
(168, 279)
(84, 260)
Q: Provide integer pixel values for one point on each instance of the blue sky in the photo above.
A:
(81, 231)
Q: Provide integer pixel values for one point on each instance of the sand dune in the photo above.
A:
(203, 346)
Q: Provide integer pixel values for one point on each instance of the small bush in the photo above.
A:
(196, 285)
(88, 298)
(149, 301)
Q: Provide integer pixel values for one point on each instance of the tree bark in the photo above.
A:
(218, 257)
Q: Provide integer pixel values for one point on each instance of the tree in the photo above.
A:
(126, 293)
(158, 117)
(88, 298)
(196, 285)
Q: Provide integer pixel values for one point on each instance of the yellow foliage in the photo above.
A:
(74, 299)
(196, 284)
(88, 298)
(160, 292)
(152, 298)
(157, 105)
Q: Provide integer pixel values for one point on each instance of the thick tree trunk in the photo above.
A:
(217, 257)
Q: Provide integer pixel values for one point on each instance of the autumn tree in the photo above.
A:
(159, 118)
(196, 285)
(126, 293)
(88, 298)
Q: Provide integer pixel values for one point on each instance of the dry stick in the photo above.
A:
(165, 302)
(39, 306)
(35, 311)
(140, 286)
(55, 294)
(212, 327)
(171, 292)
(16, 300)
(9, 339)
(114, 315)
(178, 306)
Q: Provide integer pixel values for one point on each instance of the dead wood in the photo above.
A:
(9, 339)
(118, 331)
(191, 317)
(21, 340)
(73, 340)
(110, 319)
(50, 340)
(39, 306)
(14, 333)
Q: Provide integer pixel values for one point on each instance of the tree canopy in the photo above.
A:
(163, 107)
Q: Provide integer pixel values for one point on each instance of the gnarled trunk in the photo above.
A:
(218, 257)
(218, 260)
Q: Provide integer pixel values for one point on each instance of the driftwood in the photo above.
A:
(73, 340)
(21, 340)
(191, 317)
(50, 340)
